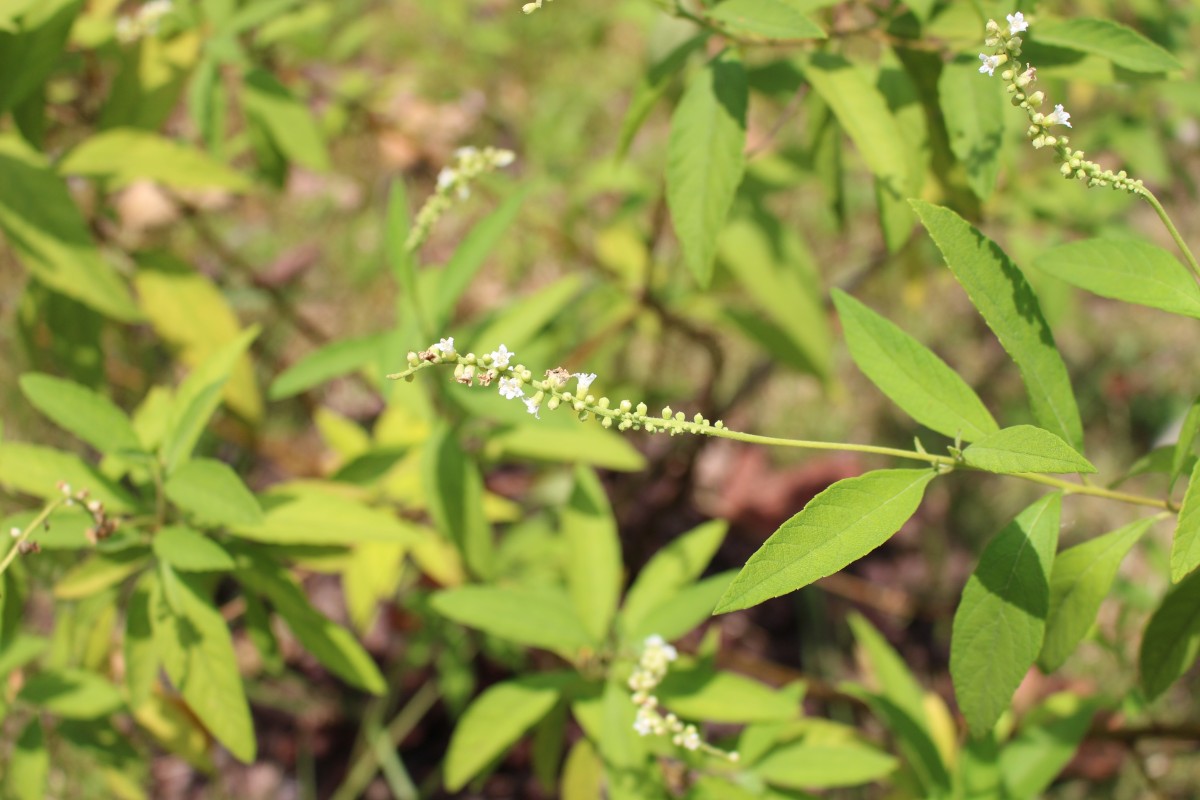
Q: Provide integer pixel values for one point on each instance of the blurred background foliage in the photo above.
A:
(245, 170)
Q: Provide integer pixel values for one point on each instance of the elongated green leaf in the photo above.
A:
(37, 470)
(330, 643)
(577, 444)
(1024, 448)
(197, 654)
(191, 551)
(1123, 46)
(100, 571)
(314, 514)
(1185, 547)
(1001, 619)
(1129, 270)
(701, 692)
(541, 617)
(29, 764)
(31, 45)
(1185, 447)
(705, 159)
(41, 223)
(896, 682)
(771, 19)
(285, 120)
(141, 657)
(91, 416)
(212, 492)
(71, 694)
(911, 375)
(1045, 744)
(124, 155)
(330, 361)
(397, 224)
(1079, 581)
(593, 565)
(837, 527)
(470, 256)
(519, 323)
(1010, 308)
(495, 721)
(672, 567)
(1171, 642)
(455, 490)
(974, 111)
(652, 87)
(197, 400)
(583, 773)
(825, 766)
(684, 610)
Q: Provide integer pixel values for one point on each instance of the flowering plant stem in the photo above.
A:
(1171, 229)
(49, 509)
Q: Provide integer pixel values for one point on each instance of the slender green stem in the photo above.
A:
(29, 530)
(726, 433)
(1067, 487)
(1171, 229)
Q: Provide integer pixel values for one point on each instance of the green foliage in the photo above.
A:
(1024, 448)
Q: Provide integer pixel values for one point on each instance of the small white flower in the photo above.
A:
(1058, 117)
(502, 158)
(510, 389)
(644, 724)
(464, 192)
(445, 346)
(446, 178)
(463, 153)
(533, 407)
(15, 533)
(1017, 23)
(989, 63)
(501, 356)
(585, 380)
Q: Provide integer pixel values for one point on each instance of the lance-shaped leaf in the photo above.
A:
(912, 375)
(1122, 46)
(672, 567)
(837, 527)
(540, 617)
(1010, 308)
(91, 416)
(1185, 548)
(1125, 269)
(1185, 448)
(974, 111)
(773, 19)
(1024, 448)
(1079, 581)
(1000, 622)
(593, 554)
(1171, 642)
(1047, 741)
(825, 765)
(455, 490)
(125, 155)
(705, 159)
(212, 492)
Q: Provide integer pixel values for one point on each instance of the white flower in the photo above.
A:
(989, 63)
(446, 178)
(1017, 23)
(445, 346)
(15, 533)
(1058, 117)
(463, 153)
(510, 389)
(502, 158)
(533, 407)
(584, 381)
(501, 356)
(689, 739)
(644, 724)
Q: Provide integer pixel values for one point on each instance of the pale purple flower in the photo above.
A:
(1058, 117)
(989, 63)
(1017, 23)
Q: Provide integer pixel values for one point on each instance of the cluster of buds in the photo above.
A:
(103, 526)
(144, 22)
(1006, 46)
(517, 382)
(651, 668)
(455, 182)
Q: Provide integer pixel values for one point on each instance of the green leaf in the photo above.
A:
(100, 571)
(974, 111)
(50, 237)
(1186, 445)
(331, 644)
(837, 527)
(286, 121)
(1128, 270)
(911, 375)
(700, 692)
(541, 617)
(31, 45)
(1047, 741)
(1122, 46)
(197, 400)
(684, 610)
(37, 470)
(197, 654)
(672, 568)
(771, 19)
(577, 444)
(1185, 547)
(583, 773)
(141, 657)
(454, 489)
(593, 563)
(397, 224)
(29, 765)
(470, 256)
(652, 87)
(825, 766)
(1079, 581)
(191, 551)
(895, 680)
(71, 694)
(1009, 306)
(519, 323)
(89, 415)
(705, 159)
(1171, 642)
(314, 514)
(212, 492)
(1001, 619)
(125, 155)
(1024, 448)
(495, 721)
(330, 361)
